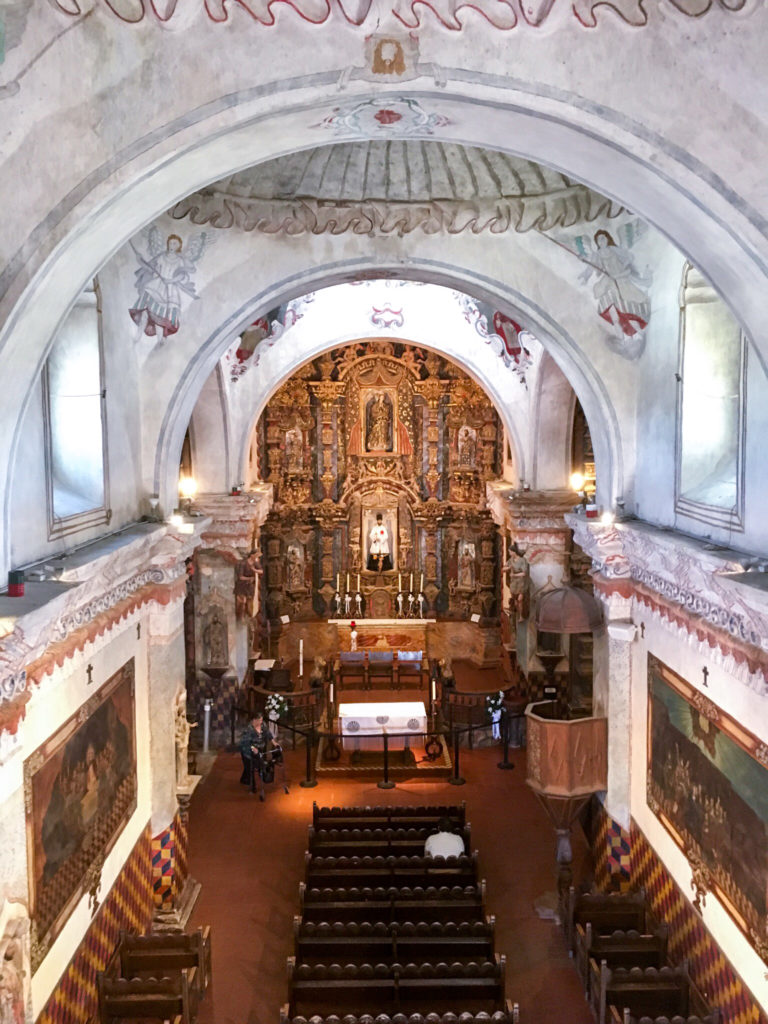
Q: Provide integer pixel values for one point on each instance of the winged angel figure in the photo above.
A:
(620, 288)
(163, 275)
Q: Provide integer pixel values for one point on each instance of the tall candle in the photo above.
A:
(433, 689)
(330, 693)
(358, 583)
(421, 585)
(399, 583)
(338, 581)
(411, 586)
(347, 582)
(301, 657)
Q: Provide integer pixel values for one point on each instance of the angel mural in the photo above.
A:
(621, 289)
(163, 276)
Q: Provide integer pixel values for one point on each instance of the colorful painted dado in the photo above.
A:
(689, 939)
(169, 862)
(612, 847)
(128, 906)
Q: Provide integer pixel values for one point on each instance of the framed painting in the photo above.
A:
(79, 792)
(707, 784)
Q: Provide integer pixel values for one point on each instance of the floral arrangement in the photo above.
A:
(494, 701)
(275, 707)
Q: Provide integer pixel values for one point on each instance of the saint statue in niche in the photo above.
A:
(378, 423)
(379, 546)
(294, 575)
(215, 639)
(467, 447)
(466, 566)
(294, 450)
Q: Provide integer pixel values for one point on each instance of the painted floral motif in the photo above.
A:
(401, 117)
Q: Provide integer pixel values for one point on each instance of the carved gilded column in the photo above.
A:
(327, 393)
(431, 391)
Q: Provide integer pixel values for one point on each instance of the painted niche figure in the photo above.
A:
(379, 423)
(379, 556)
(467, 448)
(467, 568)
(161, 280)
(620, 287)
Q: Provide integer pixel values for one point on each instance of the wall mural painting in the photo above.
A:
(164, 277)
(619, 284)
(708, 785)
(79, 791)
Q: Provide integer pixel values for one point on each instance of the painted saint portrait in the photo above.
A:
(466, 565)
(80, 791)
(388, 58)
(708, 785)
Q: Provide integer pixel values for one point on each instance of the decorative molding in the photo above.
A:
(695, 590)
(450, 14)
(94, 595)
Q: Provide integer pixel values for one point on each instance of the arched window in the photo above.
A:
(75, 422)
(712, 364)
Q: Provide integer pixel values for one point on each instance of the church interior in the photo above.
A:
(383, 554)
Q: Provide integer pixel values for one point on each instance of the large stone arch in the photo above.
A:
(562, 347)
(597, 145)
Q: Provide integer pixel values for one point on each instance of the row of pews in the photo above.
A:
(621, 955)
(155, 977)
(385, 931)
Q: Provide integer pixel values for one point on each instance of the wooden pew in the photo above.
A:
(129, 999)
(162, 956)
(399, 871)
(400, 988)
(340, 842)
(427, 903)
(393, 942)
(619, 949)
(386, 816)
(606, 912)
(616, 1016)
(650, 991)
(509, 1015)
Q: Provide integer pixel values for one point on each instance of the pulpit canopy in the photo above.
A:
(568, 610)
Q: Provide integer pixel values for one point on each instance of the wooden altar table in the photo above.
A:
(386, 634)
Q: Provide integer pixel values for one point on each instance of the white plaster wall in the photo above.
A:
(28, 498)
(737, 700)
(50, 705)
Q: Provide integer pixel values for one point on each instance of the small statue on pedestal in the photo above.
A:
(353, 637)
(359, 605)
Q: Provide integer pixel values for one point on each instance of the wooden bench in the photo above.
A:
(382, 841)
(606, 912)
(129, 999)
(386, 817)
(649, 991)
(426, 903)
(619, 949)
(399, 988)
(372, 871)
(390, 942)
(162, 956)
(509, 1015)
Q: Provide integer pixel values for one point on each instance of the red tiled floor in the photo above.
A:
(249, 857)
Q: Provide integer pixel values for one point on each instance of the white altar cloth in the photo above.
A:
(375, 717)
